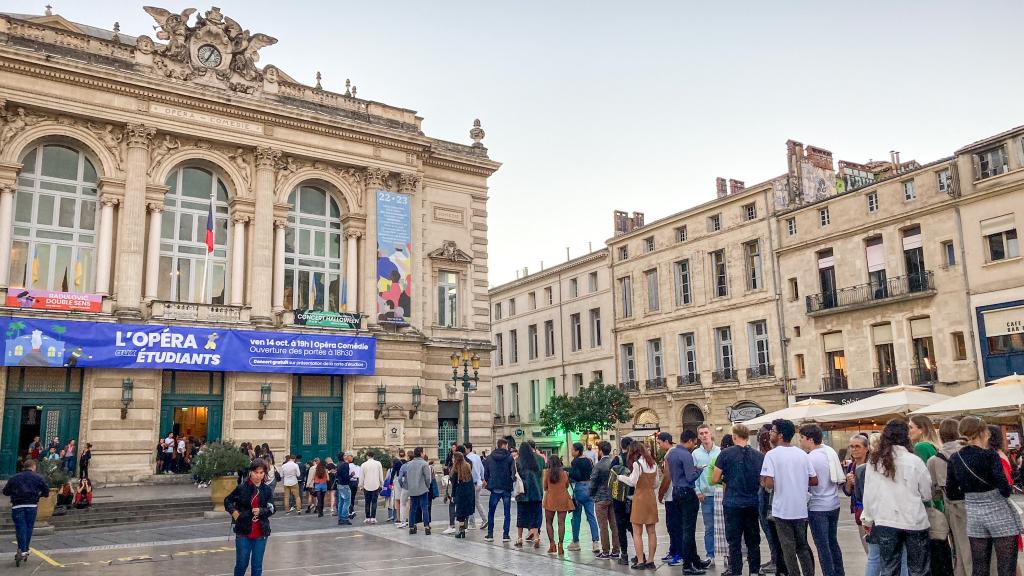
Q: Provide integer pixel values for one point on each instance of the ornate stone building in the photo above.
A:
(174, 185)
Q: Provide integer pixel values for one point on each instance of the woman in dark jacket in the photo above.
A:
(528, 504)
(251, 505)
(463, 494)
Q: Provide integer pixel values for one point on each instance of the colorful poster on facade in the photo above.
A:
(48, 300)
(328, 319)
(56, 343)
(394, 259)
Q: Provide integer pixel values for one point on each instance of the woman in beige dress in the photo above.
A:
(557, 502)
(644, 515)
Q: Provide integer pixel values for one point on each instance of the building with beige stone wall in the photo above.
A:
(551, 332)
(116, 150)
(697, 335)
(991, 215)
(873, 280)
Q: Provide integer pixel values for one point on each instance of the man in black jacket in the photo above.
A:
(25, 489)
(499, 475)
(344, 490)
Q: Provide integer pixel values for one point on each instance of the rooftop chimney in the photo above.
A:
(721, 187)
(896, 168)
(735, 186)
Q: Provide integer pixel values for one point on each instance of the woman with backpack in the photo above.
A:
(251, 505)
(528, 504)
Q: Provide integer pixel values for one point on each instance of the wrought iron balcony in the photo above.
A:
(872, 293)
(923, 376)
(656, 384)
(691, 379)
(726, 375)
(499, 419)
(630, 387)
(834, 382)
(886, 378)
(761, 371)
(513, 418)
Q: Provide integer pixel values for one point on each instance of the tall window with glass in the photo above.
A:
(193, 193)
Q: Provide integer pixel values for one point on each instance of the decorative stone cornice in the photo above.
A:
(354, 234)
(376, 178)
(239, 218)
(139, 135)
(449, 251)
(408, 182)
(7, 188)
(108, 200)
(280, 223)
(156, 207)
(267, 158)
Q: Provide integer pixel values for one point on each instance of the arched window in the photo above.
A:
(193, 193)
(312, 252)
(692, 417)
(55, 218)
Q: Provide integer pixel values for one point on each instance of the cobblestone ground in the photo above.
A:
(310, 546)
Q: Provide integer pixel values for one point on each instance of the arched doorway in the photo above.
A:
(646, 420)
(693, 417)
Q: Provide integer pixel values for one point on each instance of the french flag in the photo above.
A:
(209, 230)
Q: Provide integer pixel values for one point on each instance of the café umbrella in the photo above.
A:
(888, 403)
(1003, 397)
(802, 411)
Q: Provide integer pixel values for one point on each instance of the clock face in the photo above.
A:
(209, 56)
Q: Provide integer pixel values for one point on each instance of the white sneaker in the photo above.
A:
(401, 525)
(597, 546)
(450, 530)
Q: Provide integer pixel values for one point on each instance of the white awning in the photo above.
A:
(1004, 321)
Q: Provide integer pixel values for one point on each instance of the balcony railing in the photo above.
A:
(499, 419)
(923, 376)
(691, 379)
(513, 418)
(656, 384)
(726, 375)
(871, 292)
(834, 382)
(761, 371)
(630, 387)
(886, 378)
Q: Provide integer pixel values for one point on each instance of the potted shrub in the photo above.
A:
(383, 455)
(218, 465)
(56, 476)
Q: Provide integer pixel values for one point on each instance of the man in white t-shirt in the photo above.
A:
(823, 505)
(787, 473)
(290, 479)
(169, 454)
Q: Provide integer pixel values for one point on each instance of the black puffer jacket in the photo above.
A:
(26, 488)
(240, 500)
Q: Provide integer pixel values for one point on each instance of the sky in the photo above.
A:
(595, 106)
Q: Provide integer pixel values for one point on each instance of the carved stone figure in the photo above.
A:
(110, 137)
(238, 157)
(15, 122)
(174, 29)
(144, 44)
(244, 48)
(162, 149)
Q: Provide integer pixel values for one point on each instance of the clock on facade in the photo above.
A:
(209, 56)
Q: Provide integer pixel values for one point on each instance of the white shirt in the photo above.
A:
(478, 467)
(290, 473)
(181, 446)
(592, 455)
(354, 471)
(372, 475)
(639, 467)
(824, 496)
(169, 445)
(791, 470)
(898, 503)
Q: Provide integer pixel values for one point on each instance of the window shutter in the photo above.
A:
(920, 327)
(882, 333)
(833, 341)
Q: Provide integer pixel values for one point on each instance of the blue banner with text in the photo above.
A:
(56, 343)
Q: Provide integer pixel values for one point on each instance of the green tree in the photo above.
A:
(597, 407)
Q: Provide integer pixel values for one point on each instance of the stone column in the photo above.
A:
(352, 271)
(156, 211)
(105, 244)
(238, 260)
(128, 284)
(279, 230)
(6, 233)
(263, 233)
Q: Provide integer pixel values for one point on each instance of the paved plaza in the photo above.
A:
(311, 546)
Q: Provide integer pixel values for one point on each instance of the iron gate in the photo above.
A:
(447, 433)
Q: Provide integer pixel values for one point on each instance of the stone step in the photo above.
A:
(74, 521)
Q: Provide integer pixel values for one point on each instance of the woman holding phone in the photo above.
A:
(251, 505)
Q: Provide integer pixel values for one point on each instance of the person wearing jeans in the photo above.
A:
(343, 492)
(415, 478)
(602, 497)
(739, 466)
(703, 457)
(787, 473)
(499, 476)
(823, 504)
(251, 505)
(580, 471)
(25, 489)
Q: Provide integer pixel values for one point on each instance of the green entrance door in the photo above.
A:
(316, 416)
(44, 402)
(192, 404)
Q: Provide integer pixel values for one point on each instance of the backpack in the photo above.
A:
(620, 491)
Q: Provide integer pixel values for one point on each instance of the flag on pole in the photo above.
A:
(209, 229)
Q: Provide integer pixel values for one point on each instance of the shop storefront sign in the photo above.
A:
(31, 342)
(327, 319)
(520, 432)
(744, 412)
(1002, 321)
(646, 426)
(48, 300)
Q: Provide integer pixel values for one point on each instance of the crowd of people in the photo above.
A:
(64, 454)
(175, 453)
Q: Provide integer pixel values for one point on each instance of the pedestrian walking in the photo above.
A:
(25, 489)
(787, 473)
(462, 489)
(925, 439)
(499, 475)
(372, 479)
(416, 477)
(954, 509)
(622, 500)
(320, 482)
(395, 512)
(896, 485)
(644, 513)
(343, 492)
(992, 522)
(823, 500)
(673, 521)
(529, 503)
(581, 468)
(83, 461)
(703, 456)
(556, 502)
(738, 467)
(477, 465)
(251, 504)
(355, 473)
(311, 485)
(602, 497)
(290, 480)
(332, 485)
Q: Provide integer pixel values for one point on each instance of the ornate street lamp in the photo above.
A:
(264, 399)
(466, 360)
(127, 396)
(417, 399)
(381, 400)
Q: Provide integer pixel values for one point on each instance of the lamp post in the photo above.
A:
(264, 399)
(466, 360)
(127, 396)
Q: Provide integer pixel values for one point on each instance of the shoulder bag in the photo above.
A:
(518, 488)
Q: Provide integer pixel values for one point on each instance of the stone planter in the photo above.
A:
(46, 506)
(220, 487)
